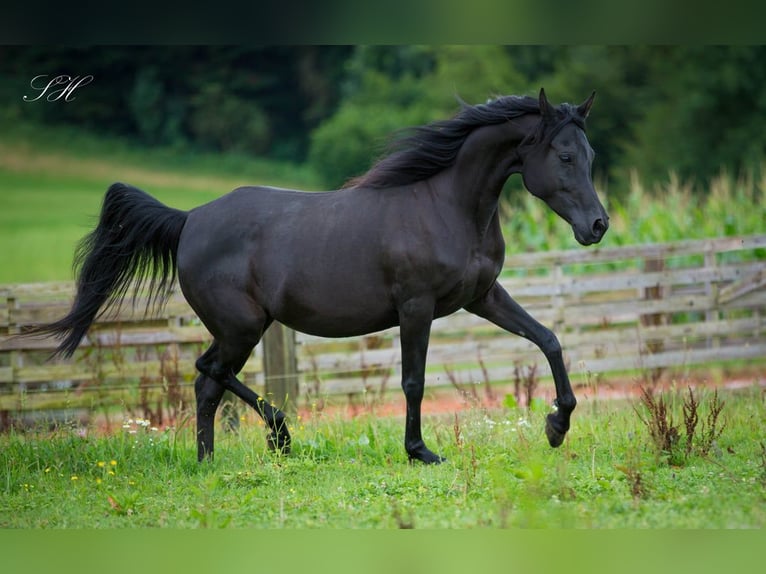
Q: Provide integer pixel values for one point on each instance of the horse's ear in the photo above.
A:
(546, 110)
(584, 108)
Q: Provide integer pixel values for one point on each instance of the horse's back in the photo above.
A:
(298, 254)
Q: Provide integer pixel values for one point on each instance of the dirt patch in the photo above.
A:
(450, 400)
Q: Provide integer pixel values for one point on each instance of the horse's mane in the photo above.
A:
(421, 152)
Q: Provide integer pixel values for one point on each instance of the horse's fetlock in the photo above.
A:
(566, 404)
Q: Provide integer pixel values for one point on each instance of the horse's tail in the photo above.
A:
(136, 240)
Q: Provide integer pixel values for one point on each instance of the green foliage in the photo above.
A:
(157, 116)
(392, 88)
(704, 111)
(219, 97)
(344, 147)
(228, 123)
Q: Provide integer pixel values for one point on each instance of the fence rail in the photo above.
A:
(643, 307)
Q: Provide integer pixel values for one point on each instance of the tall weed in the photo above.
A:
(672, 440)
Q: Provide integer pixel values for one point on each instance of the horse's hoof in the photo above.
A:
(279, 441)
(555, 436)
(425, 456)
(436, 459)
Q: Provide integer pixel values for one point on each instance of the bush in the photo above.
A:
(227, 122)
(390, 89)
(347, 145)
(157, 116)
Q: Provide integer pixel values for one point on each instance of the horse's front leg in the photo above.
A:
(499, 308)
(415, 318)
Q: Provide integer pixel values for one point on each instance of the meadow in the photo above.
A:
(500, 472)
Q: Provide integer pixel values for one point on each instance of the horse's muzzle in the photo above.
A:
(594, 234)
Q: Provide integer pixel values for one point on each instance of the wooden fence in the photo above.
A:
(644, 308)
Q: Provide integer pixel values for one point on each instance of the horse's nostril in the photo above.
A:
(599, 227)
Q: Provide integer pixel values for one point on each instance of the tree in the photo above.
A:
(707, 113)
(388, 88)
(263, 100)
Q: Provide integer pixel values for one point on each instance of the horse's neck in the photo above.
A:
(485, 162)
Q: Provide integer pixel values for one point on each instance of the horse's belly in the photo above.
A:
(337, 325)
(339, 314)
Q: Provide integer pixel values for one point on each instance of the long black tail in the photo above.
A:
(136, 240)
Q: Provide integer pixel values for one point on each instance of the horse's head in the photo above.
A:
(557, 169)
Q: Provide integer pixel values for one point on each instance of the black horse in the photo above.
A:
(415, 238)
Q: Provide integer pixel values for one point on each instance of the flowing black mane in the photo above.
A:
(424, 151)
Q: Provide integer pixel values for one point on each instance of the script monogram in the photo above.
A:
(57, 88)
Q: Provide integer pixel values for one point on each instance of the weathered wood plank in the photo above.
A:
(580, 368)
(88, 398)
(139, 337)
(508, 348)
(573, 285)
(106, 371)
(597, 255)
(746, 285)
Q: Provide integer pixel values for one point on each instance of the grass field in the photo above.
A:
(354, 474)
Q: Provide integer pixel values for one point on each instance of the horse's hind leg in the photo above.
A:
(219, 366)
(208, 394)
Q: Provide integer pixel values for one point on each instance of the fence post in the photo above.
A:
(651, 265)
(711, 290)
(15, 356)
(280, 367)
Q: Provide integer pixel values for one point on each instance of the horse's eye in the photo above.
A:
(566, 158)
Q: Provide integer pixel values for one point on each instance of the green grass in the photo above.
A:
(354, 474)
